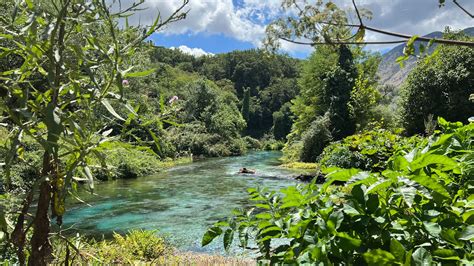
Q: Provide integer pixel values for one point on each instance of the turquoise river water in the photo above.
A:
(180, 202)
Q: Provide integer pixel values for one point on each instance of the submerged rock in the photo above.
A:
(320, 178)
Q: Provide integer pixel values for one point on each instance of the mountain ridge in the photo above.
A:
(390, 72)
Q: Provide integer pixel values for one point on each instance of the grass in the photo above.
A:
(301, 165)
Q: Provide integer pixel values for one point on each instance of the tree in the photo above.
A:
(439, 85)
(78, 52)
(338, 87)
(246, 105)
(326, 84)
(282, 121)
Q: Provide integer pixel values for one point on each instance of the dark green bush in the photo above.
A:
(315, 139)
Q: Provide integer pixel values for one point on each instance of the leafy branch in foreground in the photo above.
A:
(418, 211)
(65, 60)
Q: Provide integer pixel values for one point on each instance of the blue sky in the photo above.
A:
(219, 26)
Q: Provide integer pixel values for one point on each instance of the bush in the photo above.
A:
(137, 246)
(126, 161)
(440, 85)
(417, 211)
(252, 144)
(196, 139)
(368, 151)
(315, 140)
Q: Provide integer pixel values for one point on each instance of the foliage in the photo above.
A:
(439, 85)
(419, 210)
(282, 122)
(125, 160)
(246, 105)
(252, 144)
(137, 246)
(368, 150)
(300, 165)
(194, 138)
(72, 62)
(315, 139)
(337, 85)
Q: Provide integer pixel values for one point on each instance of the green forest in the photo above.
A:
(88, 101)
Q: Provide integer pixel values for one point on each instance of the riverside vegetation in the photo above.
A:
(83, 99)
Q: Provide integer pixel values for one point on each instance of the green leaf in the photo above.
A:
(446, 254)
(210, 235)
(379, 257)
(360, 35)
(90, 179)
(433, 228)
(422, 257)
(140, 74)
(408, 193)
(228, 237)
(347, 242)
(338, 174)
(431, 183)
(452, 236)
(468, 233)
(359, 194)
(397, 249)
(111, 110)
(430, 159)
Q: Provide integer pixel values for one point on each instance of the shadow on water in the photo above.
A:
(181, 202)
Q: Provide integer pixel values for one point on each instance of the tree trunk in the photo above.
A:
(40, 246)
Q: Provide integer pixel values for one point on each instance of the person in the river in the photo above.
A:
(246, 171)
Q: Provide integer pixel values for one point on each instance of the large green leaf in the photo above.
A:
(397, 249)
(347, 242)
(430, 159)
(433, 228)
(139, 74)
(210, 234)
(431, 183)
(228, 237)
(422, 257)
(379, 257)
(468, 233)
(111, 110)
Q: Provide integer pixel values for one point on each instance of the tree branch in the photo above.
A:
(340, 42)
(358, 14)
(463, 9)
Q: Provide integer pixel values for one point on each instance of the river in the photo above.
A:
(180, 202)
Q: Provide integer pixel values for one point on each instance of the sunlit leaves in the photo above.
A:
(411, 213)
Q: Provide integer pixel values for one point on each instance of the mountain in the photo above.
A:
(390, 71)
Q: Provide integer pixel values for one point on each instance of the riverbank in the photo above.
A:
(137, 247)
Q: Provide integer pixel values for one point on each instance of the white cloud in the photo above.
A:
(197, 52)
(246, 22)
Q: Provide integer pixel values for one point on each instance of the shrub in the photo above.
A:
(137, 246)
(125, 160)
(251, 143)
(315, 140)
(440, 85)
(369, 150)
(417, 211)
